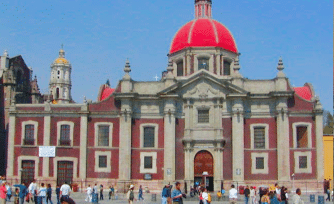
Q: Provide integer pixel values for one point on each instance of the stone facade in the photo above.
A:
(154, 132)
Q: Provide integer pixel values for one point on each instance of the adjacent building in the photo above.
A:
(203, 118)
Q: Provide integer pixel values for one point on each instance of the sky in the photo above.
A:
(99, 36)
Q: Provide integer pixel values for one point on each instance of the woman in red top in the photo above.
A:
(3, 193)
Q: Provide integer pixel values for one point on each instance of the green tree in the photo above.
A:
(328, 122)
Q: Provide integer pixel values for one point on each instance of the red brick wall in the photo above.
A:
(302, 176)
(91, 130)
(298, 104)
(18, 129)
(227, 156)
(302, 119)
(179, 154)
(91, 163)
(76, 131)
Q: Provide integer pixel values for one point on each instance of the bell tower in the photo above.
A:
(60, 81)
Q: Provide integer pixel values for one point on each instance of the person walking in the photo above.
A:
(205, 195)
(265, 197)
(95, 192)
(49, 194)
(177, 194)
(296, 199)
(42, 192)
(111, 192)
(252, 195)
(9, 192)
(101, 192)
(166, 194)
(130, 195)
(16, 196)
(233, 195)
(140, 193)
(219, 195)
(23, 192)
(89, 192)
(58, 194)
(246, 193)
(65, 190)
(33, 190)
(328, 192)
(3, 193)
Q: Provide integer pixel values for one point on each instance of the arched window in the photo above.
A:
(227, 68)
(203, 63)
(57, 93)
(179, 66)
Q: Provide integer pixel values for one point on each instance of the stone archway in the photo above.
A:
(203, 162)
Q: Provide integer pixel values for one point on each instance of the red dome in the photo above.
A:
(203, 33)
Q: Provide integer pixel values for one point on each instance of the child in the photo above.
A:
(16, 196)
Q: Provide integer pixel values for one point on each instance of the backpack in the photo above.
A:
(209, 198)
(131, 195)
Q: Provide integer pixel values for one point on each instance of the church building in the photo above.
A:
(203, 121)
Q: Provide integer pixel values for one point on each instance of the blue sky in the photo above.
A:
(98, 36)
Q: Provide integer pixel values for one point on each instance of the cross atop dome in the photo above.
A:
(203, 8)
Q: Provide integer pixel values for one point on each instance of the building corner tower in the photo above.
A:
(60, 81)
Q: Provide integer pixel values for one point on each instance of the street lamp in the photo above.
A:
(205, 173)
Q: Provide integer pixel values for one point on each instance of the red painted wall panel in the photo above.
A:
(179, 154)
(107, 105)
(298, 104)
(227, 157)
(272, 131)
(136, 131)
(302, 176)
(302, 119)
(23, 151)
(135, 164)
(18, 129)
(76, 131)
(91, 164)
(91, 130)
(272, 165)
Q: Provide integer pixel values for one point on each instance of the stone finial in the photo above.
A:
(318, 105)
(170, 70)
(62, 52)
(84, 100)
(127, 69)
(280, 68)
(5, 53)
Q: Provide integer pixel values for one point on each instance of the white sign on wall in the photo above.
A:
(47, 151)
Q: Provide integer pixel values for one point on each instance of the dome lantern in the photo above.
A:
(203, 8)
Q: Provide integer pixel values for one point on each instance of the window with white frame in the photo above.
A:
(301, 133)
(148, 162)
(259, 136)
(103, 134)
(102, 161)
(179, 67)
(149, 135)
(29, 132)
(65, 133)
(303, 162)
(227, 68)
(260, 163)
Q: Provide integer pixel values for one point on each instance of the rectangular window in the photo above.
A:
(29, 135)
(147, 162)
(28, 171)
(102, 161)
(149, 137)
(203, 64)
(180, 68)
(259, 163)
(103, 135)
(65, 139)
(203, 116)
(302, 140)
(259, 138)
(227, 68)
(303, 162)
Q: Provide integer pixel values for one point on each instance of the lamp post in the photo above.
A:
(205, 173)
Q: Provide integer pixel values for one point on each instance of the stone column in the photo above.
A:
(125, 142)
(283, 149)
(218, 64)
(83, 142)
(188, 58)
(46, 142)
(218, 168)
(319, 140)
(169, 141)
(238, 140)
(11, 143)
(188, 164)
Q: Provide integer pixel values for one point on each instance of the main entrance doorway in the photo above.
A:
(203, 162)
(64, 172)
(28, 172)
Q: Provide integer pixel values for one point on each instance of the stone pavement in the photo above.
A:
(79, 198)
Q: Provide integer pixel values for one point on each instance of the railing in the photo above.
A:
(28, 141)
(63, 142)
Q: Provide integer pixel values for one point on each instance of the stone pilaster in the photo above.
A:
(188, 164)
(169, 141)
(283, 150)
(319, 140)
(11, 136)
(83, 142)
(188, 58)
(46, 142)
(238, 140)
(218, 165)
(125, 141)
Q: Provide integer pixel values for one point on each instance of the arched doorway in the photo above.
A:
(203, 162)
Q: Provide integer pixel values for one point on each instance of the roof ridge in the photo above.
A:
(191, 30)
(215, 30)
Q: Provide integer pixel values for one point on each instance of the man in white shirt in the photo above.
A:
(296, 198)
(205, 196)
(65, 190)
(233, 195)
(33, 190)
(89, 191)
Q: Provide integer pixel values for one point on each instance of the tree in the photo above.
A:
(328, 122)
